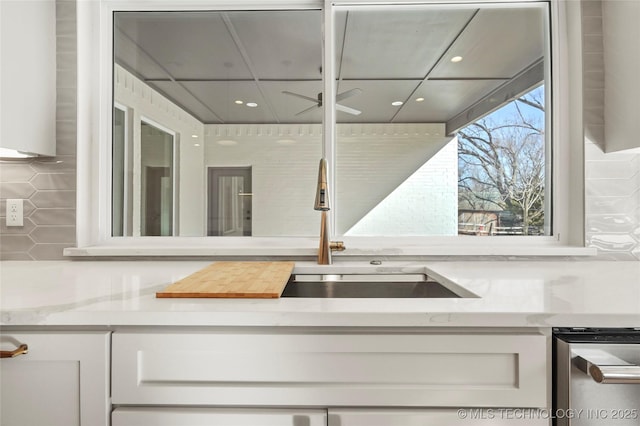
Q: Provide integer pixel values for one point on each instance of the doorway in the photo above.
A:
(157, 173)
(158, 202)
(229, 207)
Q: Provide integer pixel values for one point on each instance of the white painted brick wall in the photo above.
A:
(372, 162)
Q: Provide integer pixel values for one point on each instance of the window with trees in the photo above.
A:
(501, 170)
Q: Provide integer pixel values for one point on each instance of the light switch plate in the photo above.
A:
(15, 212)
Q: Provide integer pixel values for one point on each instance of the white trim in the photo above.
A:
(126, 158)
(568, 125)
(329, 114)
(94, 112)
(303, 247)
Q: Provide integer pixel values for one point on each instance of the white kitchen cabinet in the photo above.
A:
(159, 416)
(621, 35)
(63, 379)
(439, 417)
(28, 78)
(322, 368)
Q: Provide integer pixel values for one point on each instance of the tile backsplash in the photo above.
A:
(612, 203)
(612, 199)
(48, 186)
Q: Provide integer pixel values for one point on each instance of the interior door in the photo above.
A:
(159, 202)
(230, 202)
(156, 188)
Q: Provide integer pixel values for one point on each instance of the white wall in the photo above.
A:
(283, 174)
(424, 204)
(144, 102)
(396, 180)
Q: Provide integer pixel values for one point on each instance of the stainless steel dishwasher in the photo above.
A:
(596, 377)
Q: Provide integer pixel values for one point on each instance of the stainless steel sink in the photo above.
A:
(366, 286)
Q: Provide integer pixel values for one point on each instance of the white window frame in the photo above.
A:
(95, 105)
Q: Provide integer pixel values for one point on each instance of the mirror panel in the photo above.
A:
(242, 90)
(231, 86)
(418, 165)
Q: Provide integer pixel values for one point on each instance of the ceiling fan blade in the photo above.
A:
(308, 109)
(300, 96)
(348, 110)
(347, 94)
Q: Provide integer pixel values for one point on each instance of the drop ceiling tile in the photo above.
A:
(189, 45)
(498, 43)
(375, 99)
(443, 100)
(130, 57)
(220, 98)
(188, 101)
(398, 44)
(282, 44)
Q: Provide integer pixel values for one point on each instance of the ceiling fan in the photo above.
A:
(318, 101)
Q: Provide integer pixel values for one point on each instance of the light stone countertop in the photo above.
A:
(510, 294)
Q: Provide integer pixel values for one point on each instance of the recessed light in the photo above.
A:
(286, 141)
(396, 103)
(227, 142)
(456, 59)
(196, 144)
(194, 136)
(251, 104)
(419, 99)
(239, 102)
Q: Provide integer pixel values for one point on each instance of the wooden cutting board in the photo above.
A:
(233, 280)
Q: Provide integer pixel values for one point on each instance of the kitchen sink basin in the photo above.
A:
(366, 286)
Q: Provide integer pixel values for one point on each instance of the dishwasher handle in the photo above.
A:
(606, 368)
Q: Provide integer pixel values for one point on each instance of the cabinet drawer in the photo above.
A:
(161, 416)
(330, 369)
(440, 416)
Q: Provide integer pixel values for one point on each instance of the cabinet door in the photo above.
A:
(28, 78)
(621, 84)
(63, 380)
(160, 416)
(440, 417)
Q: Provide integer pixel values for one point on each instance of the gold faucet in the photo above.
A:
(322, 204)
